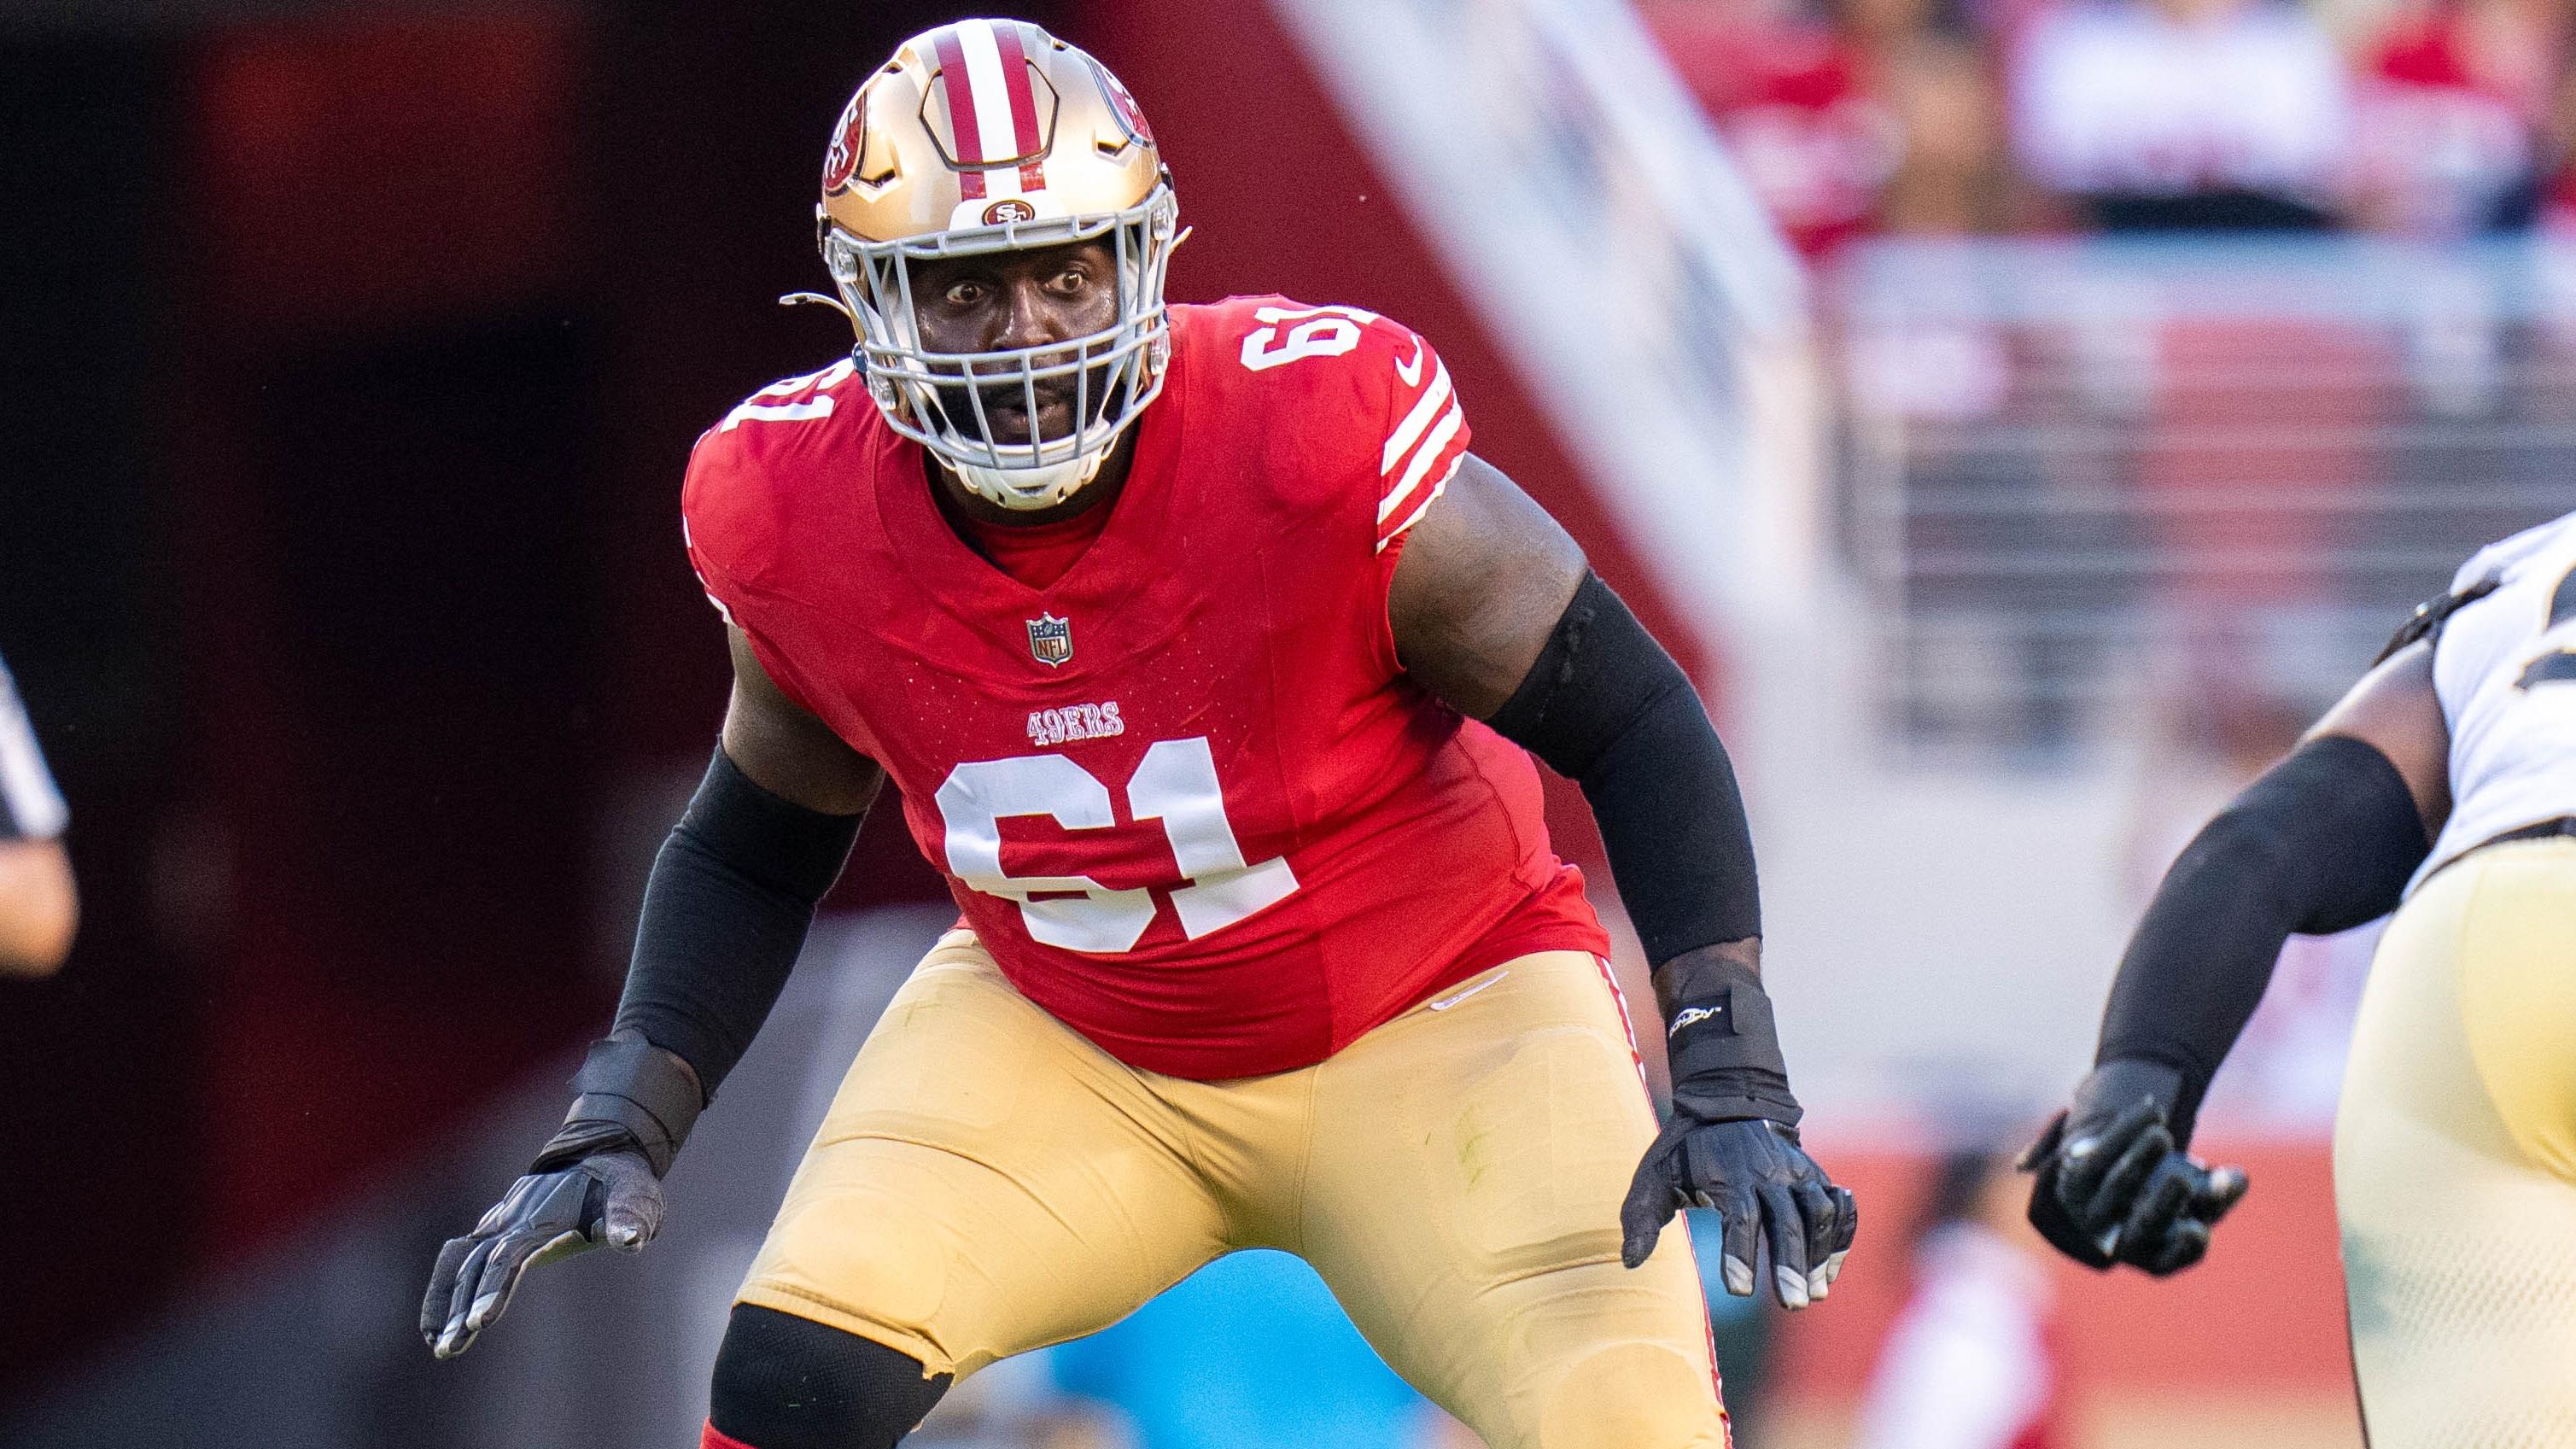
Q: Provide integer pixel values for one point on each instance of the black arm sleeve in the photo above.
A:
(2323, 842)
(725, 913)
(1607, 708)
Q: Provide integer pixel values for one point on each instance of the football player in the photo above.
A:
(1205, 657)
(39, 906)
(2443, 786)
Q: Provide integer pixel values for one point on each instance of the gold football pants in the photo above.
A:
(988, 1182)
(2455, 1160)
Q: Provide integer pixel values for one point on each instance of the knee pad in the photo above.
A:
(784, 1382)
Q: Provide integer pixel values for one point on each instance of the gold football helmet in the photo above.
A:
(982, 136)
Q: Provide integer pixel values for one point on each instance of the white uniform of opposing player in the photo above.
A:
(2455, 1146)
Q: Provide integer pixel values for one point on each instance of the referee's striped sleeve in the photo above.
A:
(30, 807)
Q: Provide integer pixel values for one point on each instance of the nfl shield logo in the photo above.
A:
(1051, 639)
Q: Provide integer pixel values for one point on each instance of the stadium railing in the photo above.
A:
(2081, 474)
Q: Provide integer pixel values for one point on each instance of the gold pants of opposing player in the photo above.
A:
(2455, 1160)
(988, 1182)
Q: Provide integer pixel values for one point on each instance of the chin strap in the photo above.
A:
(1029, 489)
(817, 299)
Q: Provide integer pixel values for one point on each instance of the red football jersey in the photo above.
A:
(1185, 794)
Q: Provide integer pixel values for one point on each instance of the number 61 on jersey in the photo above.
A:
(1175, 784)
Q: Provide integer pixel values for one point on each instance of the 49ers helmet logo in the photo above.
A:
(842, 160)
(1130, 115)
(1009, 208)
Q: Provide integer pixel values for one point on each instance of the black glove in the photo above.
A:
(2113, 1185)
(598, 1180)
(1732, 1146)
(1761, 1182)
(609, 1197)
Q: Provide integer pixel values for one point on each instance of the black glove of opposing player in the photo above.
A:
(1732, 1146)
(598, 1180)
(2111, 1183)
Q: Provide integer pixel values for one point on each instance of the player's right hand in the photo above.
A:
(2111, 1184)
(609, 1197)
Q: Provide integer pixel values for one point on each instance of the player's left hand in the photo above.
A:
(1765, 1189)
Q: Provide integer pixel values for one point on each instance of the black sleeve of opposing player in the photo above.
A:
(725, 914)
(1607, 708)
(2324, 841)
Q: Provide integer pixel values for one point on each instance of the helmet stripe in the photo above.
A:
(990, 87)
(959, 91)
(1024, 105)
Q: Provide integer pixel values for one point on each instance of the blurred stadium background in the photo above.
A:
(2022, 415)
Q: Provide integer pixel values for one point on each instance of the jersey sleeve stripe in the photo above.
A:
(1424, 410)
(33, 807)
(1423, 458)
(1430, 496)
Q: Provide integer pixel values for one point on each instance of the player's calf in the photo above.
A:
(784, 1382)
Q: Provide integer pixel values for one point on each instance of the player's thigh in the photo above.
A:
(2459, 1246)
(1462, 1199)
(986, 1182)
(2518, 995)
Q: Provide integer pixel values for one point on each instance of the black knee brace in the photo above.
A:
(784, 1382)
